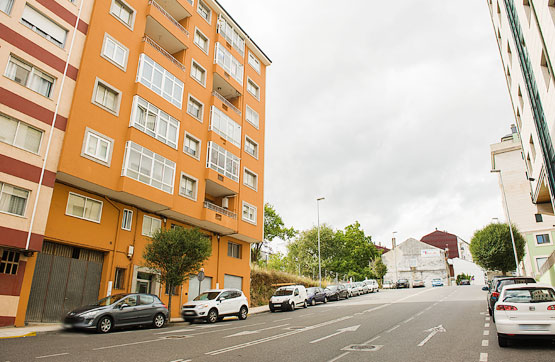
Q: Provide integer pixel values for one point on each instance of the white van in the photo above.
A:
(288, 298)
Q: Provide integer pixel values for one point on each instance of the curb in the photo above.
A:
(31, 334)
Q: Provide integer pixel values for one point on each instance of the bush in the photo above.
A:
(463, 276)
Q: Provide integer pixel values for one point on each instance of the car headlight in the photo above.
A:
(88, 315)
(204, 305)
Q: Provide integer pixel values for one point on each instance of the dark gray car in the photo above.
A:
(119, 310)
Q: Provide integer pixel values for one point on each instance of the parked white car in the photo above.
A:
(288, 298)
(525, 310)
(215, 304)
(372, 285)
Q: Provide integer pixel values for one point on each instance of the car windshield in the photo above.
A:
(529, 295)
(110, 300)
(281, 292)
(207, 296)
(436, 280)
(403, 280)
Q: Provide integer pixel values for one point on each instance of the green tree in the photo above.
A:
(274, 227)
(378, 268)
(175, 254)
(492, 249)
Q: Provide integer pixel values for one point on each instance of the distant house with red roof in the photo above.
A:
(382, 248)
(458, 248)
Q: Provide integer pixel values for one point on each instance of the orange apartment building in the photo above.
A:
(166, 129)
(41, 42)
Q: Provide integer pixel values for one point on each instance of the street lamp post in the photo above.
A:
(508, 219)
(394, 254)
(319, 261)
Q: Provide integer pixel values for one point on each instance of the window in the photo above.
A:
(160, 81)
(9, 262)
(228, 62)
(127, 219)
(150, 225)
(532, 148)
(543, 239)
(6, 6)
(106, 96)
(148, 167)
(254, 62)
(250, 179)
(198, 73)
(539, 217)
(540, 261)
(19, 134)
(251, 147)
(249, 213)
(225, 126)
(191, 145)
(231, 35)
(201, 40)
(545, 69)
(123, 12)
(234, 250)
(253, 88)
(529, 164)
(114, 51)
(43, 26)
(29, 76)
(252, 117)
(146, 299)
(13, 199)
(188, 187)
(83, 207)
(119, 279)
(151, 120)
(97, 147)
(204, 11)
(195, 108)
(222, 161)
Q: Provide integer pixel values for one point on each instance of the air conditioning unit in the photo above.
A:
(225, 203)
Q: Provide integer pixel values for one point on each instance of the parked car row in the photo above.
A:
(417, 283)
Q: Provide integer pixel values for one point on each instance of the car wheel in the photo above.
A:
(292, 306)
(104, 325)
(313, 302)
(212, 316)
(503, 342)
(325, 300)
(243, 313)
(272, 309)
(159, 320)
(305, 304)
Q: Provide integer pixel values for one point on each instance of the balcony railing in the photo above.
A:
(170, 18)
(218, 209)
(226, 102)
(156, 46)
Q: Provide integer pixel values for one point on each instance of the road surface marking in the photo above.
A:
(485, 343)
(306, 315)
(225, 329)
(52, 355)
(408, 320)
(486, 333)
(433, 331)
(488, 319)
(338, 357)
(244, 333)
(392, 328)
(339, 331)
(483, 357)
(182, 360)
(371, 340)
(176, 331)
(283, 319)
(204, 327)
(130, 344)
(486, 325)
(419, 313)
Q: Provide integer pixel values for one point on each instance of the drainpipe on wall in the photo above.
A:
(115, 240)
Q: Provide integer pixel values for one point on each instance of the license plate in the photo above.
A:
(534, 327)
(189, 313)
(66, 325)
(277, 305)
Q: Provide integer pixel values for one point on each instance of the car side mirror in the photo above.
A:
(485, 288)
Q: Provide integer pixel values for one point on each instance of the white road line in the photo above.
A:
(419, 313)
(485, 343)
(283, 319)
(486, 325)
(408, 320)
(338, 357)
(225, 329)
(182, 360)
(392, 328)
(483, 357)
(130, 344)
(306, 315)
(244, 333)
(486, 333)
(175, 331)
(52, 355)
(488, 319)
(204, 327)
(371, 340)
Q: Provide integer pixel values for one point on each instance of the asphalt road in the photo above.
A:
(429, 324)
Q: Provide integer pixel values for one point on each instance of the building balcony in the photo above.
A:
(220, 210)
(219, 219)
(163, 26)
(162, 51)
(540, 194)
(227, 104)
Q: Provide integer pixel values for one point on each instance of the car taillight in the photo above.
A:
(495, 295)
(505, 307)
(551, 307)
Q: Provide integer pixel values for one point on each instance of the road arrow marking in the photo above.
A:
(245, 333)
(433, 331)
(339, 331)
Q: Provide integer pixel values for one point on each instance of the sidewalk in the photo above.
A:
(33, 329)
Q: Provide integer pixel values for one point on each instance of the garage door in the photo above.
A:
(232, 281)
(193, 286)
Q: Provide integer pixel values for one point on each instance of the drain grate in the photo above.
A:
(362, 347)
(176, 337)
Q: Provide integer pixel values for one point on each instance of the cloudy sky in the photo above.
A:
(385, 108)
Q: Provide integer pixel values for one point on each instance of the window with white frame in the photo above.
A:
(254, 62)
(204, 11)
(252, 116)
(97, 147)
(249, 212)
(198, 73)
(20, 134)
(106, 96)
(540, 261)
(228, 62)
(43, 26)
(148, 167)
(151, 120)
(29, 76)
(195, 108)
(233, 250)
(222, 161)
(253, 88)
(150, 225)
(543, 239)
(191, 145)
(188, 186)
(160, 81)
(127, 219)
(230, 34)
(13, 199)
(251, 147)
(250, 179)
(201, 40)
(83, 207)
(6, 6)
(114, 51)
(9, 261)
(123, 12)
(225, 126)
